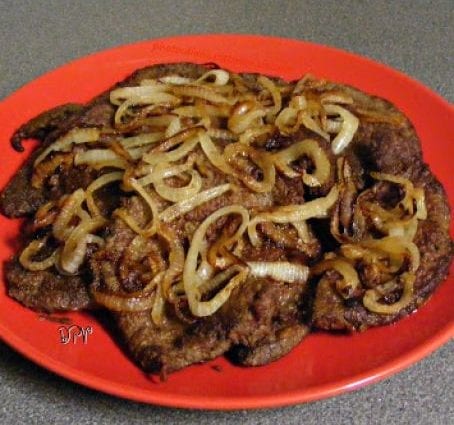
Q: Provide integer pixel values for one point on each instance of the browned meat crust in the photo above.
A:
(46, 290)
(252, 325)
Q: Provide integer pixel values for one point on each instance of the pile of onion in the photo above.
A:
(168, 133)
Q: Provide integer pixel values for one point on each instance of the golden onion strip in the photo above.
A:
(397, 248)
(312, 149)
(100, 158)
(251, 134)
(221, 77)
(97, 184)
(192, 281)
(174, 155)
(69, 209)
(152, 226)
(32, 249)
(176, 260)
(142, 140)
(311, 124)
(202, 92)
(157, 311)
(350, 280)
(287, 120)
(74, 136)
(349, 126)
(75, 247)
(260, 159)
(147, 90)
(275, 94)
(183, 207)
(372, 296)
(212, 153)
(178, 194)
(175, 80)
(318, 208)
(281, 271)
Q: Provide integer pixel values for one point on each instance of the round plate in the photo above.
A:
(324, 364)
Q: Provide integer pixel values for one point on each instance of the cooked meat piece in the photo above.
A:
(47, 290)
(259, 323)
(261, 314)
(392, 147)
(19, 198)
(279, 345)
(265, 320)
(172, 346)
(41, 126)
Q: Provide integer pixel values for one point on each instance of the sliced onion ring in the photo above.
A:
(293, 213)
(32, 249)
(281, 271)
(372, 296)
(349, 126)
(350, 280)
(312, 149)
(192, 281)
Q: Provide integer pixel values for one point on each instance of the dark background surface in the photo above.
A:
(416, 37)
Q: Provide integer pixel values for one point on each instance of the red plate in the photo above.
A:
(324, 364)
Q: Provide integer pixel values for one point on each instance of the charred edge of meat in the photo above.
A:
(39, 127)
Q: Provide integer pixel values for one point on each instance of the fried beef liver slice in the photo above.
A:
(261, 319)
(394, 148)
(258, 324)
(19, 198)
(46, 290)
(264, 319)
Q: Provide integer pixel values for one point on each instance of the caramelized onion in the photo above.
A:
(152, 226)
(221, 77)
(183, 207)
(142, 140)
(371, 299)
(178, 194)
(293, 213)
(349, 126)
(350, 280)
(192, 281)
(181, 151)
(176, 259)
(245, 115)
(311, 149)
(46, 168)
(213, 154)
(123, 303)
(202, 92)
(275, 94)
(31, 250)
(398, 249)
(97, 184)
(282, 271)
(75, 247)
(71, 204)
(100, 158)
(63, 144)
(260, 159)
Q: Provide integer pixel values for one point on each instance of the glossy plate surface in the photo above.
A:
(323, 365)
